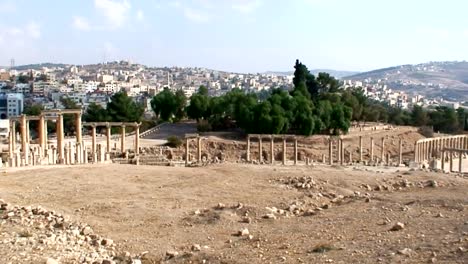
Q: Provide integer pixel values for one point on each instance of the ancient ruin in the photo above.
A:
(61, 150)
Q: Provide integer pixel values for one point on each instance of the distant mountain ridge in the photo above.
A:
(334, 73)
(448, 80)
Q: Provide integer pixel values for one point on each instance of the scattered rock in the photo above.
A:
(171, 254)
(243, 232)
(397, 227)
(196, 247)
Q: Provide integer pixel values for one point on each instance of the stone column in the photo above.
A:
(122, 140)
(372, 149)
(416, 152)
(11, 140)
(78, 128)
(93, 143)
(442, 165)
(41, 132)
(350, 157)
(260, 149)
(60, 139)
(23, 134)
(295, 151)
(199, 149)
(339, 151)
(85, 155)
(187, 151)
(272, 150)
(400, 152)
(78, 154)
(460, 161)
(45, 136)
(108, 138)
(360, 148)
(330, 151)
(248, 149)
(383, 150)
(28, 133)
(284, 151)
(137, 140)
(451, 161)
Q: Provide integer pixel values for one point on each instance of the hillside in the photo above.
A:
(335, 73)
(448, 80)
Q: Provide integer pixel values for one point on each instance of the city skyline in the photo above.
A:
(238, 36)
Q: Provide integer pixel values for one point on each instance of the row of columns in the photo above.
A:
(450, 154)
(122, 139)
(341, 155)
(272, 149)
(60, 153)
(427, 149)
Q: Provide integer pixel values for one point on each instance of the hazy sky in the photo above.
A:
(235, 35)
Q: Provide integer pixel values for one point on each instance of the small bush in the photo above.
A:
(203, 126)
(426, 131)
(322, 248)
(173, 142)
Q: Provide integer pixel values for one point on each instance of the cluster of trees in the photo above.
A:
(120, 108)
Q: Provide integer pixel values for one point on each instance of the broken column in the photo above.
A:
(187, 151)
(272, 150)
(248, 149)
(295, 151)
(330, 151)
(383, 150)
(284, 151)
(199, 150)
(260, 154)
(360, 148)
(372, 149)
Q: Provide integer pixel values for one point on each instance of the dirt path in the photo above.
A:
(335, 211)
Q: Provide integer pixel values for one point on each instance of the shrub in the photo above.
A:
(426, 131)
(173, 142)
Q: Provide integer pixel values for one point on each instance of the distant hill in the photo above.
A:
(39, 66)
(335, 73)
(448, 80)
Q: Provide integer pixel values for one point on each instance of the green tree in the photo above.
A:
(122, 108)
(95, 113)
(22, 79)
(419, 116)
(199, 106)
(168, 105)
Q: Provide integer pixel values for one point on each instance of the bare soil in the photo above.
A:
(322, 214)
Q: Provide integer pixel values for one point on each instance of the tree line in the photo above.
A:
(315, 105)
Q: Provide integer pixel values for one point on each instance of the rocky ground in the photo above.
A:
(232, 213)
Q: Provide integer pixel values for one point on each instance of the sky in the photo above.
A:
(235, 35)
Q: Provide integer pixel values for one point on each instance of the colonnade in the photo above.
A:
(271, 139)
(43, 153)
(338, 155)
(430, 148)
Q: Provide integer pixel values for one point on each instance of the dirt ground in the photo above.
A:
(293, 214)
